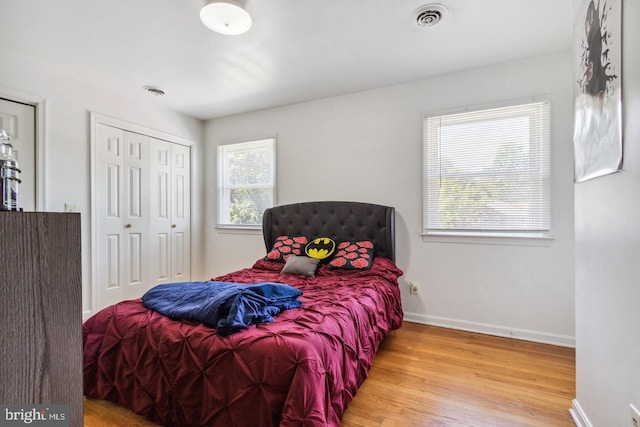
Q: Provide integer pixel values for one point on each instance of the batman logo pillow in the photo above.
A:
(321, 248)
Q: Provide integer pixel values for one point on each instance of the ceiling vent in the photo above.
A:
(429, 14)
(154, 90)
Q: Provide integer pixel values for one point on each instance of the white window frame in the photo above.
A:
(225, 188)
(533, 237)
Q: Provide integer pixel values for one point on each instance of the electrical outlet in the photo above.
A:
(635, 416)
(68, 207)
(414, 288)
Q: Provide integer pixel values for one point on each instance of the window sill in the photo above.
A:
(484, 239)
(239, 229)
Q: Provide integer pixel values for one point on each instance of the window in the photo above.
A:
(246, 182)
(486, 172)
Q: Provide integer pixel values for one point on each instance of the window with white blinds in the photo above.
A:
(486, 172)
(246, 182)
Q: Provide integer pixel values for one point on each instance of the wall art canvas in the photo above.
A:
(597, 136)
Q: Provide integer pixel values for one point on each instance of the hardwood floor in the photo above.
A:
(435, 377)
(429, 376)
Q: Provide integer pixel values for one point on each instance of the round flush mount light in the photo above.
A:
(154, 90)
(225, 17)
(430, 14)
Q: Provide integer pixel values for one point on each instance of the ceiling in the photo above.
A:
(296, 51)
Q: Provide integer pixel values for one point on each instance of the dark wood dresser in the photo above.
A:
(41, 310)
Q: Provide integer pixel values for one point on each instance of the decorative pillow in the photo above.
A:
(267, 265)
(356, 255)
(301, 265)
(320, 248)
(285, 246)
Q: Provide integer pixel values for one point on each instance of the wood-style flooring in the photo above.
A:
(425, 376)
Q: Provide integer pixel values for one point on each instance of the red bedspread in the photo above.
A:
(302, 369)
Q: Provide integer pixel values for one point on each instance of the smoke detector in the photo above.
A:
(430, 14)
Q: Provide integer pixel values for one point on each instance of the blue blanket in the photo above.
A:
(228, 307)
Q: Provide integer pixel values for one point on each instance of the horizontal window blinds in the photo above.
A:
(246, 182)
(487, 171)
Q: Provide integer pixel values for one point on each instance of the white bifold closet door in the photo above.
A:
(143, 199)
(170, 212)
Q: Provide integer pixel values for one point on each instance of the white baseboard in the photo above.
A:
(489, 329)
(578, 416)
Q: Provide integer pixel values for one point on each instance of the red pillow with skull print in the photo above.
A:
(355, 255)
(285, 246)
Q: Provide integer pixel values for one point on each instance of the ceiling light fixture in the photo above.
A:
(225, 17)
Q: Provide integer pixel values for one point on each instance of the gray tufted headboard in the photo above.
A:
(340, 221)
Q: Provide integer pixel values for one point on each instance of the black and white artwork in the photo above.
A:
(597, 137)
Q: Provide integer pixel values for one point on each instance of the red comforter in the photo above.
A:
(302, 369)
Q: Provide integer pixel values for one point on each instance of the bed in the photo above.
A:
(302, 369)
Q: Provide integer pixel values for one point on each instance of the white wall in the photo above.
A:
(69, 99)
(367, 147)
(607, 267)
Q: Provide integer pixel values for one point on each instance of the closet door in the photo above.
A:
(136, 215)
(122, 204)
(109, 200)
(170, 222)
(142, 213)
(160, 219)
(180, 213)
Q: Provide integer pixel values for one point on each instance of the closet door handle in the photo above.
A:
(173, 226)
(128, 226)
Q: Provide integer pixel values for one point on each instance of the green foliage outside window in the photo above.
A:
(247, 206)
(465, 201)
(247, 181)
